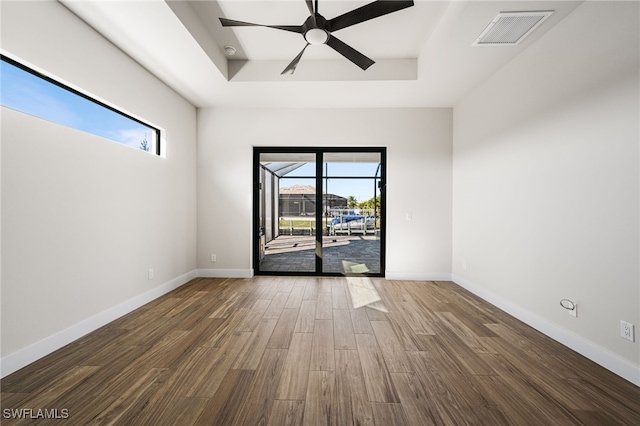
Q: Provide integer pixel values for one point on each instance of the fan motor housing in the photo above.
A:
(315, 21)
(312, 27)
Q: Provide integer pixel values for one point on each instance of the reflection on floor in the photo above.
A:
(296, 253)
(364, 293)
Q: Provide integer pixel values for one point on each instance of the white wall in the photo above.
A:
(84, 218)
(418, 170)
(546, 184)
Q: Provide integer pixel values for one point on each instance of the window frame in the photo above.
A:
(35, 73)
(319, 152)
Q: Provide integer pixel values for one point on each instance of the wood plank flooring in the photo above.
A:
(295, 351)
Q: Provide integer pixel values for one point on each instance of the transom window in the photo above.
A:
(28, 91)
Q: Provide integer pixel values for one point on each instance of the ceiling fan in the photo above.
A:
(318, 30)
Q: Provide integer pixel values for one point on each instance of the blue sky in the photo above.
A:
(362, 189)
(22, 91)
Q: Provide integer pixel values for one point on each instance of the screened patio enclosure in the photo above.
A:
(336, 230)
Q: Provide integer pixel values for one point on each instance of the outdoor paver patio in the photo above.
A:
(297, 253)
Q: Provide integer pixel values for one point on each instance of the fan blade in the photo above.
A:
(349, 52)
(232, 23)
(292, 66)
(366, 12)
(310, 6)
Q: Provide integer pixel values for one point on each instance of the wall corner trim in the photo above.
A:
(225, 273)
(25, 356)
(584, 347)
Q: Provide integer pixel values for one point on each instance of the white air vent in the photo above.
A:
(510, 28)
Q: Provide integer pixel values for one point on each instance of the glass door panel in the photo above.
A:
(287, 228)
(351, 243)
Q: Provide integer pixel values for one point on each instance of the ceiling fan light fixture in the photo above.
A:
(316, 36)
(318, 30)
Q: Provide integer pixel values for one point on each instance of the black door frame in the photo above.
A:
(318, 151)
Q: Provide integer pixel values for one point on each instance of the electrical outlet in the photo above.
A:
(150, 273)
(213, 258)
(626, 331)
(574, 312)
(464, 265)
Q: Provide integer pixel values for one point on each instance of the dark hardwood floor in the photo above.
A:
(287, 350)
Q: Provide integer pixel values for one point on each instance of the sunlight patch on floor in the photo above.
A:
(363, 293)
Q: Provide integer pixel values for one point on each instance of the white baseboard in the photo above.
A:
(225, 273)
(390, 275)
(584, 347)
(25, 356)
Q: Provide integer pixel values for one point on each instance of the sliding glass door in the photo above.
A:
(319, 211)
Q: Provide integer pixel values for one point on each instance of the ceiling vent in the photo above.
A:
(510, 28)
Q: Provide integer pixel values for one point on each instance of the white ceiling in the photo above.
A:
(423, 54)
